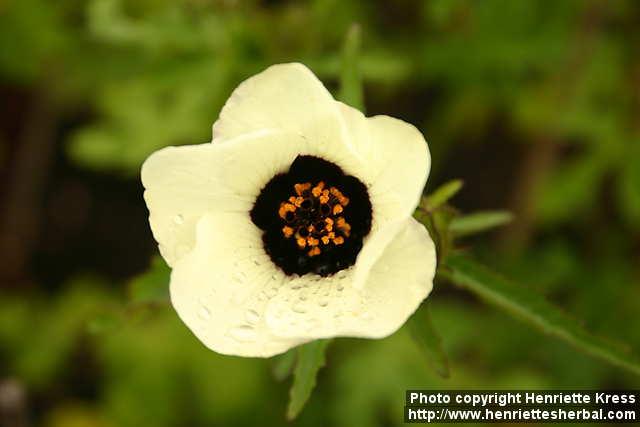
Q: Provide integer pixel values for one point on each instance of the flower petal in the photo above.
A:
(181, 184)
(221, 288)
(395, 159)
(288, 98)
(314, 307)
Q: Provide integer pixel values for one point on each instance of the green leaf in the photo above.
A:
(153, 285)
(534, 309)
(350, 74)
(437, 223)
(423, 331)
(282, 365)
(441, 195)
(311, 357)
(478, 222)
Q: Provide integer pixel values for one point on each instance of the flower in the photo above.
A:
(295, 222)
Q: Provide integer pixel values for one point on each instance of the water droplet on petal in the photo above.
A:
(252, 316)
(323, 302)
(299, 308)
(178, 219)
(271, 292)
(244, 333)
(204, 313)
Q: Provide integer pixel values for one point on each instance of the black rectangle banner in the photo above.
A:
(522, 406)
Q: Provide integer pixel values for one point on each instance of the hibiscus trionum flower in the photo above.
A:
(295, 222)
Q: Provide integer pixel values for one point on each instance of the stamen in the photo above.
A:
(284, 208)
(317, 190)
(301, 188)
(312, 215)
(314, 251)
(287, 231)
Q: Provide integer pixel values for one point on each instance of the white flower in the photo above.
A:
(295, 223)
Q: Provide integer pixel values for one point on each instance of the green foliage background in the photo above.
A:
(534, 104)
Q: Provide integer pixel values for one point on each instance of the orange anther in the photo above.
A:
(337, 209)
(284, 208)
(301, 241)
(301, 188)
(325, 240)
(338, 240)
(312, 241)
(287, 231)
(314, 251)
(317, 190)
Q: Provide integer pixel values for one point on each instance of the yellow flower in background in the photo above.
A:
(295, 222)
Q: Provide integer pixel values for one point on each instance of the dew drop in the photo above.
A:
(271, 292)
(252, 316)
(204, 313)
(244, 333)
(323, 302)
(178, 219)
(299, 308)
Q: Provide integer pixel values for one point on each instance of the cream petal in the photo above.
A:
(181, 184)
(374, 246)
(395, 159)
(221, 288)
(313, 307)
(288, 98)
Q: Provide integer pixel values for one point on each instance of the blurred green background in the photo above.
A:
(534, 104)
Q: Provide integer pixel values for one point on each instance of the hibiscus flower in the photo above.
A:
(295, 223)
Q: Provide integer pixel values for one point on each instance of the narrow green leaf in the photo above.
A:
(478, 222)
(282, 365)
(423, 331)
(151, 286)
(311, 357)
(534, 309)
(350, 74)
(441, 195)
